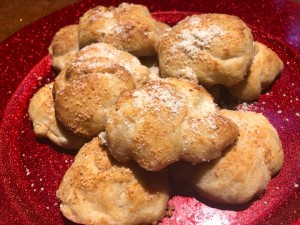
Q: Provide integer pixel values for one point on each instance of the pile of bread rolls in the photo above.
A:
(131, 95)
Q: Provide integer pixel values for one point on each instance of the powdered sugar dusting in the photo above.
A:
(247, 107)
(125, 5)
(196, 39)
(194, 20)
(207, 119)
(99, 13)
(156, 96)
(154, 73)
(78, 85)
(189, 74)
(108, 14)
(103, 137)
(207, 106)
(210, 121)
(107, 28)
(117, 30)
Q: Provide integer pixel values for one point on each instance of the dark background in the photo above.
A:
(15, 14)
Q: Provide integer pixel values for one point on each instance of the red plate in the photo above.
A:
(31, 169)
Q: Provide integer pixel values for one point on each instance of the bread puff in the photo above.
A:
(64, 46)
(167, 120)
(245, 168)
(263, 134)
(128, 27)
(41, 112)
(265, 67)
(97, 189)
(209, 48)
(90, 85)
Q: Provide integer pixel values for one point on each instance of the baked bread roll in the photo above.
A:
(90, 85)
(265, 67)
(263, 134)
(99, 190)
(208, 48)
(41, 112)
(245, 168)
(128, 27)
(64, 46)
(167, 120)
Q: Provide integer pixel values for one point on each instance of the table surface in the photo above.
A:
(15, 14)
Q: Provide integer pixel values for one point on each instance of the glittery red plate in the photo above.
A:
(31, 169)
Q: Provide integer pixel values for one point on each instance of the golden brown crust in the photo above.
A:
(165, 121)
(208, 48)
(99, 190)
(162, 30)
(262, 133)
(90, 85)
(265, 67)
(245, 168)
(64, 46)
(90, 55)
(41, 112)
(128, 27)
